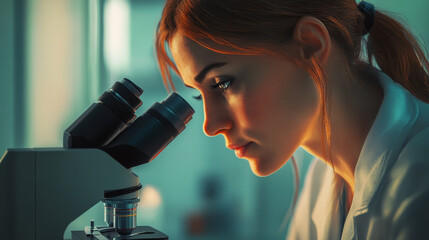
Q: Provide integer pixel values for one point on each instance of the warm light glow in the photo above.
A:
(50, 75)
(150, 197)
(117, 35)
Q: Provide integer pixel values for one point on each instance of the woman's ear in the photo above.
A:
(311, 33)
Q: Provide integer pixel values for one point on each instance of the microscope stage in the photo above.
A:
(150, 234)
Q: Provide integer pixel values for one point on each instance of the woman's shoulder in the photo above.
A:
(410, 172)
(416, 150)
(406, 196)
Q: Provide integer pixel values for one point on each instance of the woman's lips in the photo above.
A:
(240, 151)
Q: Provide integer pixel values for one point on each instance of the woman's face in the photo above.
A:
(265, 107)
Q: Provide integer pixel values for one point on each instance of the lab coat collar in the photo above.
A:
(383, 143)
(328, 219)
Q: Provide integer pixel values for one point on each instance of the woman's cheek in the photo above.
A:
(251, 109)
(261, 99)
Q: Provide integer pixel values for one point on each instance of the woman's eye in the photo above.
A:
(223, 84)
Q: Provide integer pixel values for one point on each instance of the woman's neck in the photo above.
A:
(354, 104)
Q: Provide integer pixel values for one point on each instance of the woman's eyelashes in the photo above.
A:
(224, 83)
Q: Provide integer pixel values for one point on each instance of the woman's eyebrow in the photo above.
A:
(200, 77)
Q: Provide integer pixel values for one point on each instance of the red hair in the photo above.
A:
(264, 27)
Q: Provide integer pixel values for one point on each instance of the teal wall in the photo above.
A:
(6, 68)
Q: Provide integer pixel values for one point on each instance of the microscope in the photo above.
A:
(45, 189)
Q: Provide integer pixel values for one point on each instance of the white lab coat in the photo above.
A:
(391, 199)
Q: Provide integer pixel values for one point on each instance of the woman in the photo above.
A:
(279, 74)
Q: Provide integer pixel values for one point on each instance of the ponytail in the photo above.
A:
(399, 55)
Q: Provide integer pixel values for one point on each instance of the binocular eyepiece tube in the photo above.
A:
(111, 125)
(103, 120)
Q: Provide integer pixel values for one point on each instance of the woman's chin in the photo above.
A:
(259, 170)
(264, 168)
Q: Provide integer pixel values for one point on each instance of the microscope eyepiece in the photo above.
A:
(105, 119)
(179, 107)
(111, 125)
(126, 92)
(132, 87)
(150, 133)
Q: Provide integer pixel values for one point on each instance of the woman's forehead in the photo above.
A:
(190, 57)
(183, 47)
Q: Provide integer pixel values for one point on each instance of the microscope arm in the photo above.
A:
(42, 190)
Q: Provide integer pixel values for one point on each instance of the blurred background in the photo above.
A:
(58, 56)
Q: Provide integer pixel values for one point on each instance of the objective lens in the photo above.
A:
(124, 213)
(108, 213)
(125, 218)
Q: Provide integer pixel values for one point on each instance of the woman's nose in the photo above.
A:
(216, 119)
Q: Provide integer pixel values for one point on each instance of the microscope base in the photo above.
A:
(151, 234)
